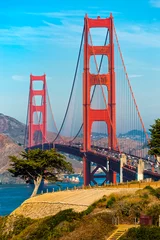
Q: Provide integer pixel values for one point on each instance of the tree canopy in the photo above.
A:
(154, 143)
(35, 165)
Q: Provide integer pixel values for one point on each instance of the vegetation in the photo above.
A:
(60, 226)
(142, 233)
(38, 164)
(110, 201)
(92, 224)
(153, 191)
(154, 143)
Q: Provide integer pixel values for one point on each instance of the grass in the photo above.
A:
(92, 224)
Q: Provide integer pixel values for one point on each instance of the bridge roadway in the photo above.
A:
(100, 156)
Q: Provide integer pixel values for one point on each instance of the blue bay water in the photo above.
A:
(12, 196)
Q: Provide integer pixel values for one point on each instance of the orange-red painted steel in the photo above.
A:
(107, 115)
(33, 127)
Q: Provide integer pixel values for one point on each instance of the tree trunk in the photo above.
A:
(36, 186)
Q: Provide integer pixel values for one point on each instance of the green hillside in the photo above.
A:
(95, 223)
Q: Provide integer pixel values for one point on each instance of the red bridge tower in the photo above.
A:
(40, 126)
(90, 115)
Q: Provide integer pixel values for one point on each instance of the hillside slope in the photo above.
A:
(7, 147)
(12, 128)
(51, 203)
(96, 222)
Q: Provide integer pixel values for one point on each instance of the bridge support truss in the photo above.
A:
(108, 114)
(39, 126)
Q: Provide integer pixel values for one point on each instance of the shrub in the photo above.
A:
(142, 233)
(110, 202)
(136, 210)
(144, 196)
(88, 210)
(151, 190)
(158, 193)
(20, 224)
(154, 212)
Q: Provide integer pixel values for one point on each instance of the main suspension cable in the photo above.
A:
(72, 86)
(100, 65)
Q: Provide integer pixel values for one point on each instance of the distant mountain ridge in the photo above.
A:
(12, 128)
(134, 132)
(11, 136)
(7, 147)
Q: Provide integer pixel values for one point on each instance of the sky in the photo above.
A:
(43, 36)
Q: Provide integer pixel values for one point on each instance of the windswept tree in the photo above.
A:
(35, 165)
(154, 143)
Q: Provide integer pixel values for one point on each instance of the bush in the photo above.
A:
(151, 190)
(2, 222)
(158, 193)
(20, 224)
(142, 233)
(88, 210)
(136, 210)
(25, 228)
(110, 202)
(144, 196)
(154, 212)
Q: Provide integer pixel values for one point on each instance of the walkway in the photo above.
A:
(51, 203)
(122, 228)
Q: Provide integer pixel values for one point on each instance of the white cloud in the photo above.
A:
(49, 33)
(60, 15)
(140, 35)
(156, 69)
(19, 78)
(155, 3)
(135, 76)
(74, 13)
(68, 32)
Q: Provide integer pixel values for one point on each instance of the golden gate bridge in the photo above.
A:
(102, 123)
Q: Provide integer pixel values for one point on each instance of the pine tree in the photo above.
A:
(35, 165)
(154, 143)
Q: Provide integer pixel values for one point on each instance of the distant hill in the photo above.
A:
(133, 132)
(11, 136)
(7, 147)
(11, 127)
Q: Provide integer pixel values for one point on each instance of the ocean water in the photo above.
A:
(11, 196)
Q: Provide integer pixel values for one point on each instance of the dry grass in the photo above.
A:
(95, 223)
(92, 228)
(51, 203)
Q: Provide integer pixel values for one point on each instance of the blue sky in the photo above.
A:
(44, 35)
